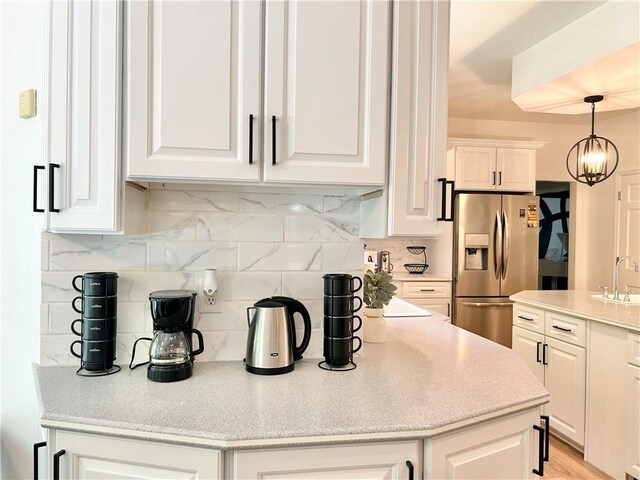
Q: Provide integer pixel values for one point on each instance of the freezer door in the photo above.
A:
(519, 244)
(477, 245)
(488, 317)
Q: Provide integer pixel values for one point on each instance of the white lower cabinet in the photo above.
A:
(366, 461)
(434, 295)
(559, 365)
(88, 456)
(501, 449)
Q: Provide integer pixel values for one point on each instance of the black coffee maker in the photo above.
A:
(171, 352)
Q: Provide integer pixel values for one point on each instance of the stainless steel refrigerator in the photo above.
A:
(495, 255)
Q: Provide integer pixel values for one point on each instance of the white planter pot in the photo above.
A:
(375, 326)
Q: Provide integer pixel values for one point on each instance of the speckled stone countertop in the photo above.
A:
(428, 375)
(580, 304)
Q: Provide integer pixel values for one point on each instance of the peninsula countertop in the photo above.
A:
(579, 303)
(428, 378)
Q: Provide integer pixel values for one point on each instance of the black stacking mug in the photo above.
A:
(96, 328)
(341, 326)
(339, 351)
(341, 284)
(96, 307)
(95, 355)
(341, 306)
(97, 284)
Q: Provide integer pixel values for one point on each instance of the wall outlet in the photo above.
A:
(209, 304)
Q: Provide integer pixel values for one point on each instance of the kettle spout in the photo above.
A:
(251, 313)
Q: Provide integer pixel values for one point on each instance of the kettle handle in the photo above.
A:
(251, 311)
(200, 343)
(298, 307)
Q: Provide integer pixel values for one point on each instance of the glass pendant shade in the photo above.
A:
(593, 159)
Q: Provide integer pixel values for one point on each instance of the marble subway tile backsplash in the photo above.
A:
(262, 244)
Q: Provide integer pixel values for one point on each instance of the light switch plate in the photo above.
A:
(27, 101)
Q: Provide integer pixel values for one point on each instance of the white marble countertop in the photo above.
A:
(415, 277)
(429, 377)
(579, 303)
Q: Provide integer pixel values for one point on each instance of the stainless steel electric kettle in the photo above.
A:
(271, 343)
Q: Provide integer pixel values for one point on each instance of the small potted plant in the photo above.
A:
(376, 293)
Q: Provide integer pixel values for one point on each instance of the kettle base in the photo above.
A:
(269, 371)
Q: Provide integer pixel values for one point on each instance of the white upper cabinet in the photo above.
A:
(492, 165)
(326, 91)
(193, 86)
(195, 80)
(411, 205)
(420, 61)
(82, 116)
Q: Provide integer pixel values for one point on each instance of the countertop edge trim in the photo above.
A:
(292, 441)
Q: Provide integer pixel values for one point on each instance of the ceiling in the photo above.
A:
(485, 36)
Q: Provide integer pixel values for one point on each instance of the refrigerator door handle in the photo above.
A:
(478, 304)
(497, 245)
(505, 251)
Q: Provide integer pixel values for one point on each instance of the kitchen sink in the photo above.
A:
(634, 299)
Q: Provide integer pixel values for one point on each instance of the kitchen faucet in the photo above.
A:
(616, 292)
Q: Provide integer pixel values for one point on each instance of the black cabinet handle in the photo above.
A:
(273, 140)
(540, 470)
(525, 318)
(493, 182)
(451, 207)
(538, 351)
(544, 354)
(56, 464)
(36, 447)
(52, 167)
(448, 309)
(546, 436)
(443, 208)
(410, 467)
(499, 178)
(250, 139)
(35, 188)
(562, 329)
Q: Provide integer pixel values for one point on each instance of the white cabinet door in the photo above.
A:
(501, 449)
(193, 77)
(476, 168)
(565, 377)
(98, 457)
(84, 94)
(528, 345)
(516, 169)
(633, 421)
(386, 461)
(326, 88)
(418, 117)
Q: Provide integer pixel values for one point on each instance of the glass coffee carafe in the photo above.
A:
(169, 348)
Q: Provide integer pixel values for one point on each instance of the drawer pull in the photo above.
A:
(544, 354)
(427, 290)
(562, 329)
(538, 344)
(525, 318)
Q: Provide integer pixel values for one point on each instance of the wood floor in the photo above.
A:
(566, 463)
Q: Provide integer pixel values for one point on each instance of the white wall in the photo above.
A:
(20, 68)
(592, 208)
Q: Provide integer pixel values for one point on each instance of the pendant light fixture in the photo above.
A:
(593, 159)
